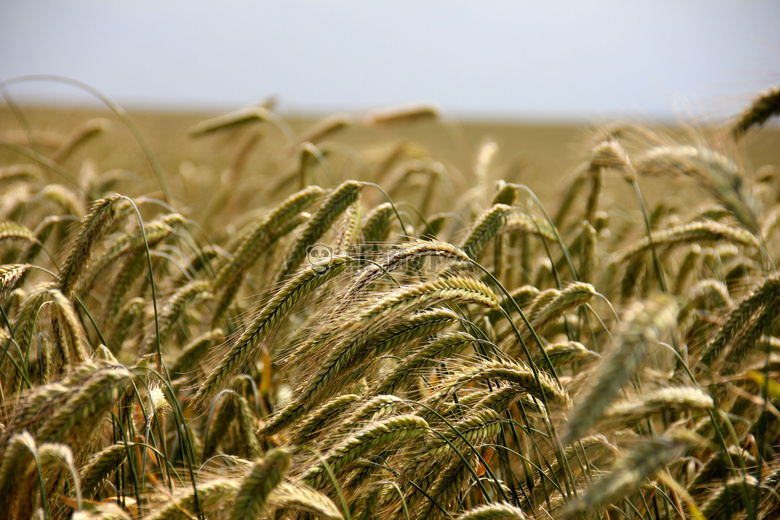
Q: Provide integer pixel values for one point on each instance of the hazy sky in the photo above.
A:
(509, 59)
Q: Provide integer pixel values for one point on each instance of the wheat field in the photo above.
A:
(387, 316)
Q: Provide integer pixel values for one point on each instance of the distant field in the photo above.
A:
(542, 156)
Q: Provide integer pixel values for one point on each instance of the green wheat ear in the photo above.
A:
(333, 206)
(484, 229)
(241, 351)
(92, 227)
(395, 429)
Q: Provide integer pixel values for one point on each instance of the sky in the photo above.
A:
(556, 59)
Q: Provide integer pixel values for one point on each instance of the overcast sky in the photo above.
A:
(507, 59)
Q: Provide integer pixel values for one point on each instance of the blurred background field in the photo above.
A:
(541, 155)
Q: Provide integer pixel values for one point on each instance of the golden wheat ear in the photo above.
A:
(299, 497)
(720, 174)
(348, 353)
(738, 335)
(495, 511)
(401, 115)
(484, 229)
(80, 136)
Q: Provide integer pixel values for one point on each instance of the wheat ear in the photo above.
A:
(423, 358)
(759, 298)
(351, 352)
(717, 172)
(70, 332)
(695, 232)
(514, 373)
(19, 447)
(10, 274)
(335, 203)
(100, 465)
(265, 475)
(641, 327)
(326, 127)
(213, 494)
(128, 314)
(629, 472)
(131, 245)
(376, 226)
(401, 115)
(673, 398)
(571, 296)
(400, 259)
(195, 351)
(174, 307)
(494, 511)
(305, 499)
(236, 118)
(485, 228)
(565, 352)
(322, 418)
(242, 349)
(402, 428)
(92, 400)
(93, 225)
(256, 240)
(766, 105)
(730, 499)
(82, 134)
(350, 229)
(480, 424)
